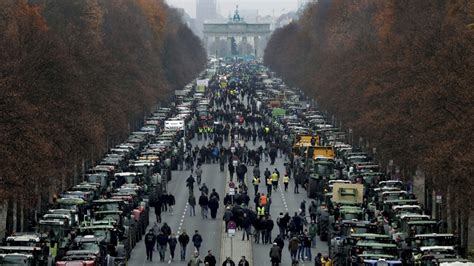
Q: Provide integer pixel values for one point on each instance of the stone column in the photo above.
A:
(229, 46)
(255, 46)
(243, 46)
(216, 46)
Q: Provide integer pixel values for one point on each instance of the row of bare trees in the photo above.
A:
(75, 77)
(401, 74)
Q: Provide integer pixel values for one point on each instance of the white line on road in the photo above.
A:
(283, 197)
(181, 224)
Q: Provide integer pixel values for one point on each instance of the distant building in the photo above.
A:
(236, 36)
(205, 10)
(190, 22)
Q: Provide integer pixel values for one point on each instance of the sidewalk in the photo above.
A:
(233, 246)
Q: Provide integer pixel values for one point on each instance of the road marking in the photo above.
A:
(283, 197)
(180, 224)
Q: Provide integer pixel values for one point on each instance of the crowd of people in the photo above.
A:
(239, 138)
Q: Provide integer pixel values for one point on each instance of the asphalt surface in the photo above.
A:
(283, 202)
(210, 230)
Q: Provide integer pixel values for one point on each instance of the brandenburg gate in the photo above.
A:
(235, 37)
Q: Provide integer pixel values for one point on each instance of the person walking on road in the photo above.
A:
(166, 229)
(204, 203)
(231, 171)
(269, 185)
(269, 224)
(275, 177)
(210, 259)
(303, 207)
(183, 240)
(157, 207)
(286, 181)
(228, 262)
(243, 262)
(293, 245)
(255, 183)
(164, 202)
(281, 225)
(162, 241)
(195, 260)
(213, 206)
(150, 240)
(192, 205)
(313, 211)
(312, 233)
(204, 189)
(306, 243)
(246, 225)
(156, 229)
(172, 242)
(280, 242)
(190, 184)
(198, 173)
(215, 194)
(275, 256)
(171, 203)
(297, 189)
(197, 240)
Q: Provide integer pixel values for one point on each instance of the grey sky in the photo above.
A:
(265, 7)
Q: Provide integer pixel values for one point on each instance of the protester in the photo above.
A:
(197, 240)
(150, 240)
(162, 242)
(195, 260)
(210, 259)
(228, 262)
(192, 205)
(172, 242)
(243, 262)
(183, 240)
(275, 255)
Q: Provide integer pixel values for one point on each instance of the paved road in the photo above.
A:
(211, 230)
(282, 202)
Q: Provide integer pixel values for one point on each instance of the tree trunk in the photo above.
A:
(14, 216)
(3, 218)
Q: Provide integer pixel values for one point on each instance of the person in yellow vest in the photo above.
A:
(269, 185)
(326, 261)
(260, 211)
(256, 183)
(274, 177)
(286, 181)
(53, 249)
(200, 133)
(204, 132)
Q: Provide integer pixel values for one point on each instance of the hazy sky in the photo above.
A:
(265, 7)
